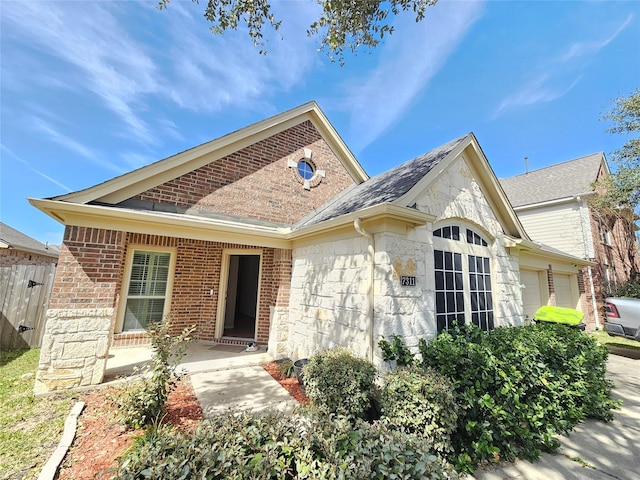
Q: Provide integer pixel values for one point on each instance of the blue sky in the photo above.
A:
(94, 89)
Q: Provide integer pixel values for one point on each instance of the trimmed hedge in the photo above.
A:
(422, 402)
(276, 446)
(518, 387)
(339, 382)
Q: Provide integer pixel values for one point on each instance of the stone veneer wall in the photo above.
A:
(329, 281)
(75, 348)
(328, 300)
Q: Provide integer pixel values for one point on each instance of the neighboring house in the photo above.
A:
(275, 234)
(27, 269)
(16, 248)
(553, 205)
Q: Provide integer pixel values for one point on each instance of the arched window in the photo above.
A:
(463, 285)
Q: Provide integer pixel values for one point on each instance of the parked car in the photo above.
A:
(623, 317)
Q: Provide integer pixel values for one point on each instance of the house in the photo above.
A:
(27, 270)
(16, 248)
(553, 205)
(276, 234)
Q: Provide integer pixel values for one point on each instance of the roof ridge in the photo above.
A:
(554, 165)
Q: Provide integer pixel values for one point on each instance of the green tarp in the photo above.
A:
(566, 316)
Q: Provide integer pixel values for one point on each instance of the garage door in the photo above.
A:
(531, 293)
(562, 286)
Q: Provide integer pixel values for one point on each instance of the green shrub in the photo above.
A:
(396, 350)
(421, 401)
(519, 387)
(144, 402)
(337, 381)
(272, 445)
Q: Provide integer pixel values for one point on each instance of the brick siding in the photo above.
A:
(11, 257)
(257, 183)
(91, 269)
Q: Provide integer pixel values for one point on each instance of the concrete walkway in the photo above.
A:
(223, 376)
(594, 450)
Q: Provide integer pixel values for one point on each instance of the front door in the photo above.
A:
(240, 313)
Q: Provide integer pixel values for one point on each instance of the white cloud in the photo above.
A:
(87, 36)
(55, 136)
(580, 49)
(408, 60)
(7, 151)
(555, 82)
(538, 90)
(138, 60)
(208, 73)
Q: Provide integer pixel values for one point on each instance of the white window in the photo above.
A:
(146, 293)
(463, 286)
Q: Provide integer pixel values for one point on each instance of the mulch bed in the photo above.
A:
(101, 437)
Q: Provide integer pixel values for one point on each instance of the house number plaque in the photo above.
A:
(407, 281)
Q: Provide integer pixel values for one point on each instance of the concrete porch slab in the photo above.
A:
(223, 376)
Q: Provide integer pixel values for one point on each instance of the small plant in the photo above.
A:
(286, 368)
(143, 404)
(396, 350)
(339, 382)
(422, 402)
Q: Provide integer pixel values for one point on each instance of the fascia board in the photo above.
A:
(330, 134)
(537, 249)
(410, 216)
(96, 216)
(550, 203)
(132, 183)
(493, 191)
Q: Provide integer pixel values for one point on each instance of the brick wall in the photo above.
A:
(198, 269)
(89, 268)
(256, 181)
(10, 257)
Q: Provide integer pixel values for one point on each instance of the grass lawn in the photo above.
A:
(30, 427)
(607, 340)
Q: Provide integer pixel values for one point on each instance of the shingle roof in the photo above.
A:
(386, 187)
(562, 180)
(18, 240)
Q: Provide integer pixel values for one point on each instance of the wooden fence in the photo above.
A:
(25, 291)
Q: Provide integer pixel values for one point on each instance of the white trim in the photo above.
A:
(126, 278)
(224, 285)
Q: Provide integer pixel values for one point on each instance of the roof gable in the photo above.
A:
(143, 179)
(563, 180)
(404, 184)
(386, 187)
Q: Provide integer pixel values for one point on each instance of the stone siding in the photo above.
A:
(328, 301)
(75, 348)
(330, 280)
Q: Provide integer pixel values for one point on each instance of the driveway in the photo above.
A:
(594, 450)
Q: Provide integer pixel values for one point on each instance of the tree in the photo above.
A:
(619, 193)
(623, 188)
(343, 24)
